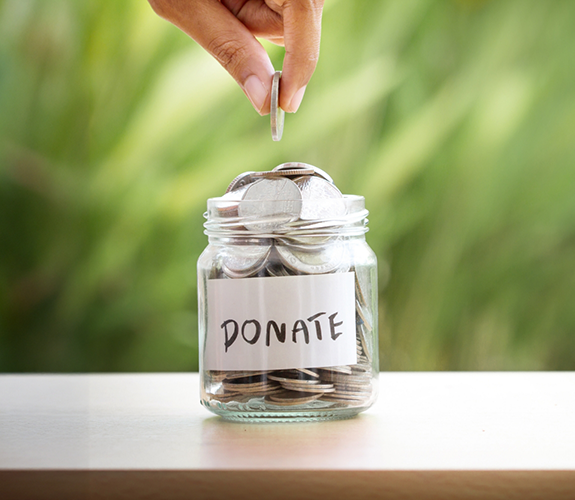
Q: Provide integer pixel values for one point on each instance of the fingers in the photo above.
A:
(218, 31)
(302, 31)
(230, 39)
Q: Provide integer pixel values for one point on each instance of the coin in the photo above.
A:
(241, 181)
(365, 347)
(228, 209)
(292, 165)
(277, 114)
(215, 377)
(359, 292)
(321, 199)
(347, 379)
(244, 261)
(348, 400)
(243, 374)
(310, 244)
(258, 394)
(360, 369)
(362, 318)
(270, 203)
(243, 386)
(289, 398)
(352, 390)
(294, 381)
(337, 369)
(315, 388)
(283, 173)
(276, 269)
(320, 262)
(311, 373)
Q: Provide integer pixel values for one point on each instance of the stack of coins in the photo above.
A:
(348, 385)
(293, 190)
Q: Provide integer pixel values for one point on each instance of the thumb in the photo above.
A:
(302, 31)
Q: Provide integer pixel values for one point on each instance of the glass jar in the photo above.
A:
(287, 291)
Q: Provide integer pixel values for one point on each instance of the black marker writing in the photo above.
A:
(251, 330)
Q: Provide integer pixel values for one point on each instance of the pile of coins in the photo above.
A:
(293, 190)
(291, 197)
(338, 385)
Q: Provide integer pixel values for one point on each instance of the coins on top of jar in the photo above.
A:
(293, 191)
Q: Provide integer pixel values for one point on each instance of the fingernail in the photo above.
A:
(256, 92)
(296, 100)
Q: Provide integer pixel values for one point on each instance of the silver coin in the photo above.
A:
(361, 369)
(270, 203)
(283, 173)
(337, 369)
(362, 318)
(241, 181)
(293, 380)
(215, 377)
(241, 386)
(359, 292)
(347, 399)
(321, 199)
(289, 398)
(274, 267)
(244, 261)
(277, 270)
(307, 243)
(277, 114)
(243, 374)
(228, 204)
(365, 343)
(305, 371)
(352, 388)
(228, 210)
(294, 165)
(324, 261)
(323, 388)
(346, 379)
(262, 388)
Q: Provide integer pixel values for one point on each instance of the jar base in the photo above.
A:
(272, 415)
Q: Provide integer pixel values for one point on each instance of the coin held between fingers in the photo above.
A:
(277, 114)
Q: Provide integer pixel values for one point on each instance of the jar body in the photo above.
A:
(288, 327)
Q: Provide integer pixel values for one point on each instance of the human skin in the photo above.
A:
(227, 29)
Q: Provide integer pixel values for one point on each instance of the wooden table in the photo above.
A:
(430, 436)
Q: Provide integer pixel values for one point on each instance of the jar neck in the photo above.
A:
(277, 219)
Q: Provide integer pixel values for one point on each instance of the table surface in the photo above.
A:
(440, 421)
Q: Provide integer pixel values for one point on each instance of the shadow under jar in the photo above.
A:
(287, 293)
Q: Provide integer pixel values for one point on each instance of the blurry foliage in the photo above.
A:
(456, 120)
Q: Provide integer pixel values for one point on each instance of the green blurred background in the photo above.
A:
(455, 119)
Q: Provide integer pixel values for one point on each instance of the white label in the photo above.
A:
(280, 323)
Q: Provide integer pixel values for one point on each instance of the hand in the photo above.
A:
(227, 30)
